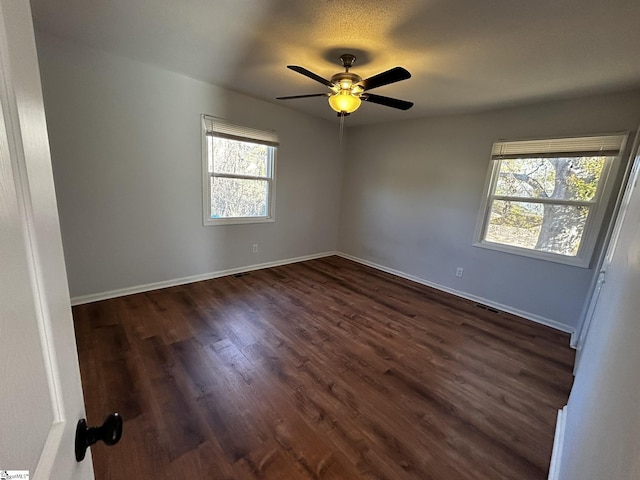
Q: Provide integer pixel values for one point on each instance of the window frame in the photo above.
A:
(593, 225)
(225, 129)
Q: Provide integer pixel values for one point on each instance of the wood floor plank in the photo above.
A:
(325, 369)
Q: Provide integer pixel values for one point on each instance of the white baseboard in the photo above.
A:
(574, 340)
(505, 308)
(121, 292)
(95, 297)
(558, 445)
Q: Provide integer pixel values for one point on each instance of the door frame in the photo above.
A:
(629, 181)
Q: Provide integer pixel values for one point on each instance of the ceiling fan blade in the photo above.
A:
(385, 78)
(387, 101)
(310, 74)
(304, 96)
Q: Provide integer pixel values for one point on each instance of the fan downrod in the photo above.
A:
(347, 60)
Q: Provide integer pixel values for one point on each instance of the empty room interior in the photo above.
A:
(343, 240)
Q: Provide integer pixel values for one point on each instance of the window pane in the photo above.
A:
(231, 197)
(561, 178)
(240, 158)
(548, 228)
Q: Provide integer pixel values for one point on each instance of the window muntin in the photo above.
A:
(547, 201)
(239, 173)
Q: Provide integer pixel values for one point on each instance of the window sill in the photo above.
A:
(576, 261)
(210, 222)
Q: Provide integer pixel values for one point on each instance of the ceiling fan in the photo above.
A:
(348, 90)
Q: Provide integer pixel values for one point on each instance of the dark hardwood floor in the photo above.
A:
(321, 369)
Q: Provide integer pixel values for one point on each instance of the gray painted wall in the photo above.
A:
(412, 190)
(125, 142)
(602, 435)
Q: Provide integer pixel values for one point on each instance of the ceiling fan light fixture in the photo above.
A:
(348, 90)
(344, 102)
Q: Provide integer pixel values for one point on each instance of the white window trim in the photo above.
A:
(592, 227)
(249, 134)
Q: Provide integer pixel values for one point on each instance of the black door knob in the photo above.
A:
(110, 433)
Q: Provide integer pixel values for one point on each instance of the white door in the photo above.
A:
(40, 391)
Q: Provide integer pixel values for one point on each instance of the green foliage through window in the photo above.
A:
(544, 203)
(547, 198)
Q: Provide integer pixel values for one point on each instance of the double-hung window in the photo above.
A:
(239, 165)
(547, 198)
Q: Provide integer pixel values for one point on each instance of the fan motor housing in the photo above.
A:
(352, 78)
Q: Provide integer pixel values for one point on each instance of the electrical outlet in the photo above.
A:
(459, 272)
(255, 248)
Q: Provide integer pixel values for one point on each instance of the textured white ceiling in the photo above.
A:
(464, 55)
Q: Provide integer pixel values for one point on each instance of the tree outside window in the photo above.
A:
(544, 195)
(239, 173)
